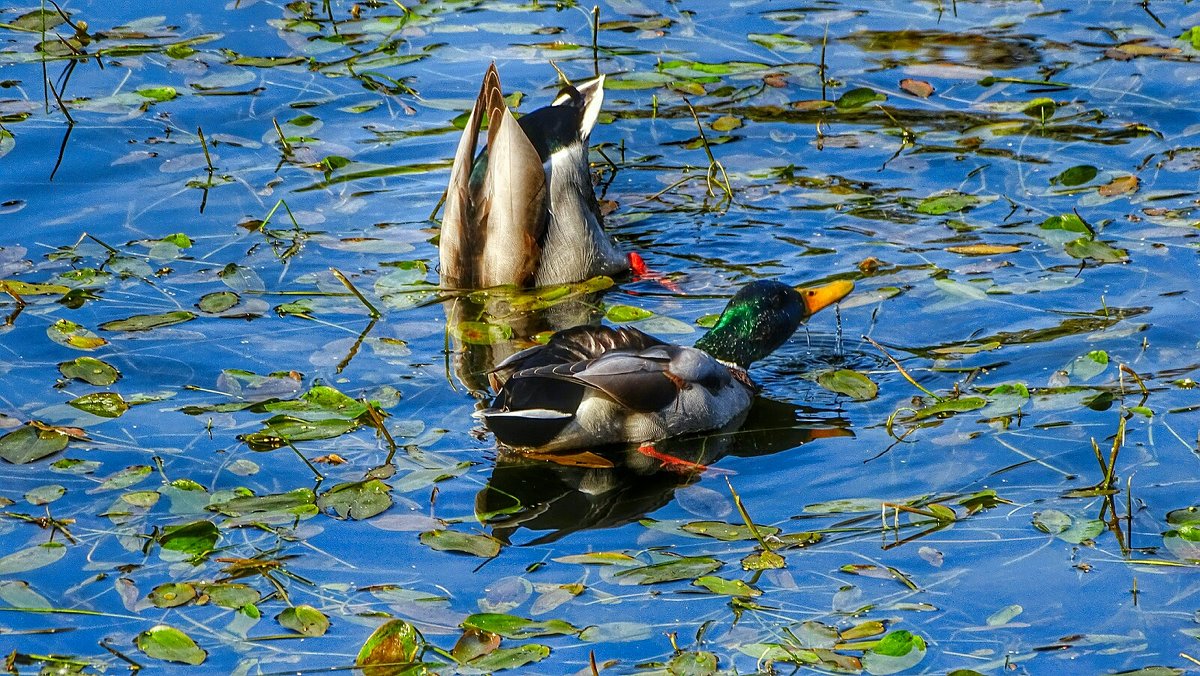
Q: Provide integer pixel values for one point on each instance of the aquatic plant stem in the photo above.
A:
(288, 442)
(901, 368)
(375, 314)
(713, 163)
(737, 501)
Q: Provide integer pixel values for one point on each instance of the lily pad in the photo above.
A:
(170, 645)
(70, 334)
(453, 541)
(720, 585)
(304, 619)
(172, 594)
(850, 383)
(356, 500)
(30, 443)
(148, 322)
(947, 202)
(682, 568)
(218, 301)
(196, 538)
(90, 370)
(512, 626)
(895, 652)
(857, 98)
(394, 644)
(32, 558)
(102, 404)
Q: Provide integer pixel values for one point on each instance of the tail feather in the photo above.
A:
(525, 428)
(458, 243)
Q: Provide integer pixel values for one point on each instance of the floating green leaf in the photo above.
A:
(512, 626)
(850, 383)
(1077, 175)
(44, 495)
(148, 322)
(728, 532)
(158, 93)
(170, 645)
(303, 619)
(218, 301)
(356, 500)
(90, 370)
(1088, 366)
(70, 334)
(719, 585)
(282, 429)
(511, 658)
(1040, 109)
(37, 21)
(394, 644)
(102, 404)
(453, 541)
(124, 478)
(620, 314)
(230, 594)
(950, 406)
(780, 42)
(32, 558)
(895, 652)
(947, 202)
(197, 538)
(682, 568)
(299, 502)
(762, 560)
(1192, 35)
(30, 443)
(600, 558)
(481, 333)
(1086, 247)
(323, 400)
(857, 98)
(1068, 222)
(172, 594)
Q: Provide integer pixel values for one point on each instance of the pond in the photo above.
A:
(237, 434)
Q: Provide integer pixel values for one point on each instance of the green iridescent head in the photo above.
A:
(762, 316)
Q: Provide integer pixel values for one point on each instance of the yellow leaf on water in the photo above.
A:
(1119, 186)
(916, 87)
(983, 249)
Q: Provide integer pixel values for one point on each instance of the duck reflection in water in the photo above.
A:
(609, 487)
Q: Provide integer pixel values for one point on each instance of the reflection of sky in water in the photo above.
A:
(808, 208)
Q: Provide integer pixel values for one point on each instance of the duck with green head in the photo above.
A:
(594, 385)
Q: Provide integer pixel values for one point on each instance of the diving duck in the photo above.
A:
(594, 385)
(522, 210)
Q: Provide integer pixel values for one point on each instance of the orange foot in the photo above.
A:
(669, 461)
(640, 271)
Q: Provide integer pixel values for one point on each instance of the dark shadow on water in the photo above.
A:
(605, 488)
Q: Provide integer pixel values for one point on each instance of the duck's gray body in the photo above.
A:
(522, 211)
(594, 386)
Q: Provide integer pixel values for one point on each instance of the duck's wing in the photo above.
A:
(544, 386)
(495, 215)
(637, 381)
(573, 345)
(537, 405)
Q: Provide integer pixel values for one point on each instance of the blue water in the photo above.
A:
(815, 194)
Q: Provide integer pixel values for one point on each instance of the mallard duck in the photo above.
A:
(523, 210)
(595, 385)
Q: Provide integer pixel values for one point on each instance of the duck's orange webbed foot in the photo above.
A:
(640, 271)
(669, 461)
